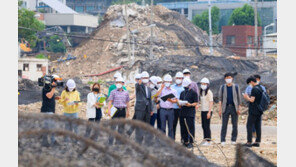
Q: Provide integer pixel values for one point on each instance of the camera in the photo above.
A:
(47, 81)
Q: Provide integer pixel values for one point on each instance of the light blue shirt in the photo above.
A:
(179, 90)
(249, 89)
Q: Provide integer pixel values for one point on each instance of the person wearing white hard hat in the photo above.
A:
(206, 108)
(153, 86)
(193, 85)
(159, 82)
(166, 107)
(119, 98)
(179, 88)
(143, 106)
(48, 106)
(187, 115)
(137, 78)
(113, 86)
(70, 99)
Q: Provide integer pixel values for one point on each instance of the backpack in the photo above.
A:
(264, 101)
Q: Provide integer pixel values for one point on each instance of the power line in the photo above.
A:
(169, 45)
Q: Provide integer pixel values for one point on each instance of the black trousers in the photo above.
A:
(205, 123)
(120, 113)
(158, 120)
(175, 122)
(229, 111)
(254, 120)
(184, 133)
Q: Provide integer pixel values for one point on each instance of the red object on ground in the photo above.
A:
(111, 70)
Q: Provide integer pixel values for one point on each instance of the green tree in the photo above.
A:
(202, 21)
(27, 20)
(243, 16)
(56, 44)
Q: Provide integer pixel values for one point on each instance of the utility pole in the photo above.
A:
(210, 28)
(151, 31)
(127, 32)
(256, 28)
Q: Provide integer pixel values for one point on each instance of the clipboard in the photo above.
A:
(166, 97)
(113, 111)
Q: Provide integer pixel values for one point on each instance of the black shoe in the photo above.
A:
(190, 145)
(256, 145)
(247, 145)
(55, 144)
(45, 144)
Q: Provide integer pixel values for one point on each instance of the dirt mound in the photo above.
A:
(173, 34)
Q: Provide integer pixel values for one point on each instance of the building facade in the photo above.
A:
(93, 7)
(266, 10)
(240, 39)
(32, 68)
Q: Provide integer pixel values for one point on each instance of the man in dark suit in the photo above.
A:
(143, 107)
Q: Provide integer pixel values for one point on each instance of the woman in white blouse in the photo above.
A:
(206, 107)
(94, 107)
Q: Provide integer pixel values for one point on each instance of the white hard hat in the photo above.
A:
(186, 71)
(179, 75)
(144, 74)
(186, 82)
(71, 84)
(167, 78)
(159, 79)
(138, 76)
(154, 80)
(119, 79)
(117, 74)
(205, 80)
(55, 76)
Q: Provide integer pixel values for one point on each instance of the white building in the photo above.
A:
(270, 44)
(32, 68)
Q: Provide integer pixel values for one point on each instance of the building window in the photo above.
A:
(230, 40)
(250, 40)
(26, 67)
(39, 67)
(79, 9)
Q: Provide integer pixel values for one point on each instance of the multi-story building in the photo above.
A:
(266, 10)
(240, 39)
(93, 7)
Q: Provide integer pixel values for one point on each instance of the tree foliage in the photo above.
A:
(243, 16)
(26, 19)
(202, 21)
(56, 44)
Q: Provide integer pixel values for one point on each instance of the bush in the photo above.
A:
(41, 56)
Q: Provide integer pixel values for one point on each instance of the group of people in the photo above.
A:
(185, 98)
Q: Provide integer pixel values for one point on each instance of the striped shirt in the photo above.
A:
(119, 98)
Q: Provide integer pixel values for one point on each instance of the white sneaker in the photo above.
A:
(206, 144)
(223, 143)
(233, 143)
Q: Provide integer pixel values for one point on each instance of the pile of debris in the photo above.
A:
(107, 48)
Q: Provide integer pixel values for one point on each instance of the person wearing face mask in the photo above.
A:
(143, 106)
(158, 86)
(206, 106)
(93, 106)
(113, 86)
(254, 118)
(179, 88)
(188, 113)
(193, 85)
(229, 105)
(166, 107)
(154, 99)
(119, 98)
(70, 99)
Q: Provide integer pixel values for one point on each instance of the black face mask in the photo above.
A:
(186, 88)
(96, 89)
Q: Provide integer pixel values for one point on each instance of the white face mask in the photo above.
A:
(145, 81)
(178, 81)
(258, 82)
(167, 84)
(188, 76)
(151, 86)
(70, 89)
(228, 80)
(118, 86)
(203, 87)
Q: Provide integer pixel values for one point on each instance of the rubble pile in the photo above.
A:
(107, 48)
